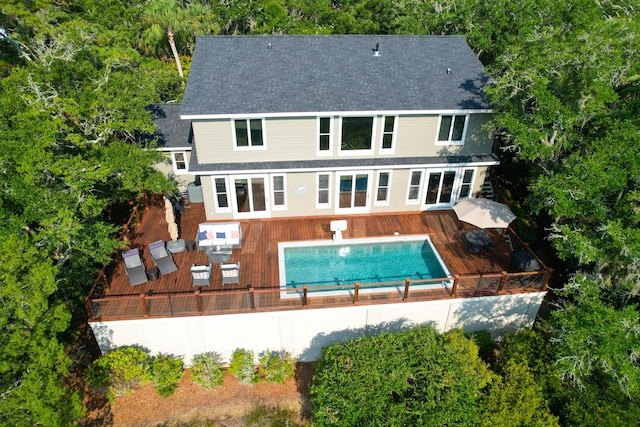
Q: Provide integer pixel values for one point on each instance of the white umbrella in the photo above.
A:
(484, 213)
(171, 219)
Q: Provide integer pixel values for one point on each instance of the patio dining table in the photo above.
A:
(477, 239)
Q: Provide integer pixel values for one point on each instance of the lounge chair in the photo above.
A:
(201, 275)
(230, 273)
(134, 267)
(162, 257)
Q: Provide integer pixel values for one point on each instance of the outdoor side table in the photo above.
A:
(153, 274)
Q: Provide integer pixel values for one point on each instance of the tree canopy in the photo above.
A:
(72, 107)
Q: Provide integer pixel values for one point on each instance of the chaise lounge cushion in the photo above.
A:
(132, 259)
(162, 257)
(134, 267)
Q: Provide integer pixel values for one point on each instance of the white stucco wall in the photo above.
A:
(304, 333)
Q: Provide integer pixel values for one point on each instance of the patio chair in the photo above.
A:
(162, 257)
(134, 267)
(230, 273)
(201, 275)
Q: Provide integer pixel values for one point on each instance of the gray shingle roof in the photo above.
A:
(170, 130)
(242, 75)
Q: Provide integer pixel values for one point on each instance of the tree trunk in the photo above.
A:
(174, 51)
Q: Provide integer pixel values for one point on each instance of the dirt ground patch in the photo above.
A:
(228, 405)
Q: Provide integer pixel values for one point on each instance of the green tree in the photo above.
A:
(416, 377)
(595, 341)
(69, 120)
(522, 394)
(168, 20)
(33, 363)
(570, 112)
(164, 17)
(516, 399)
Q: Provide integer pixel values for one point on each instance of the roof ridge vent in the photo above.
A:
(376, 51)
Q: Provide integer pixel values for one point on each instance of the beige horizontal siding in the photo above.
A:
(213, 140)
(297, 139)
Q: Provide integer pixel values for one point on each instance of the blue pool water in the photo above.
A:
(341, 264)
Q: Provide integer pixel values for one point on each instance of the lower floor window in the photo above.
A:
(467, 179)
(414, 186)
(278, 191)
(382, 195)
(323, 190)
(222, 196)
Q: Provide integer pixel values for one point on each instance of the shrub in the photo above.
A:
(276, 366)
(242, 366)
(120, 370)
(413, 377)
(206, 370)
(485, 344)
(166, 372)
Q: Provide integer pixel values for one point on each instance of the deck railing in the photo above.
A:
(212, 302)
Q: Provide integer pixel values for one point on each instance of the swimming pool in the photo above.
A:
(368, 261)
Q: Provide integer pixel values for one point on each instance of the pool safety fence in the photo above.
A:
(219, 302)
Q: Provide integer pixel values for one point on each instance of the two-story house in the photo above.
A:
(318, 125)
(285, 135)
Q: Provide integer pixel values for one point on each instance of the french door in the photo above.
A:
(353, 193)
(440, 187)
(250, 196)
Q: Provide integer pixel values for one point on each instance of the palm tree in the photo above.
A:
(166, 19)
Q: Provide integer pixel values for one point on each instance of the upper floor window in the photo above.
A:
(324, 135)
(179, 159)
(357, 133)
(452, 129)
(249, 133)
(388, 134)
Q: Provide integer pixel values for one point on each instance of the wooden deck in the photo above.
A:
(259, 289)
